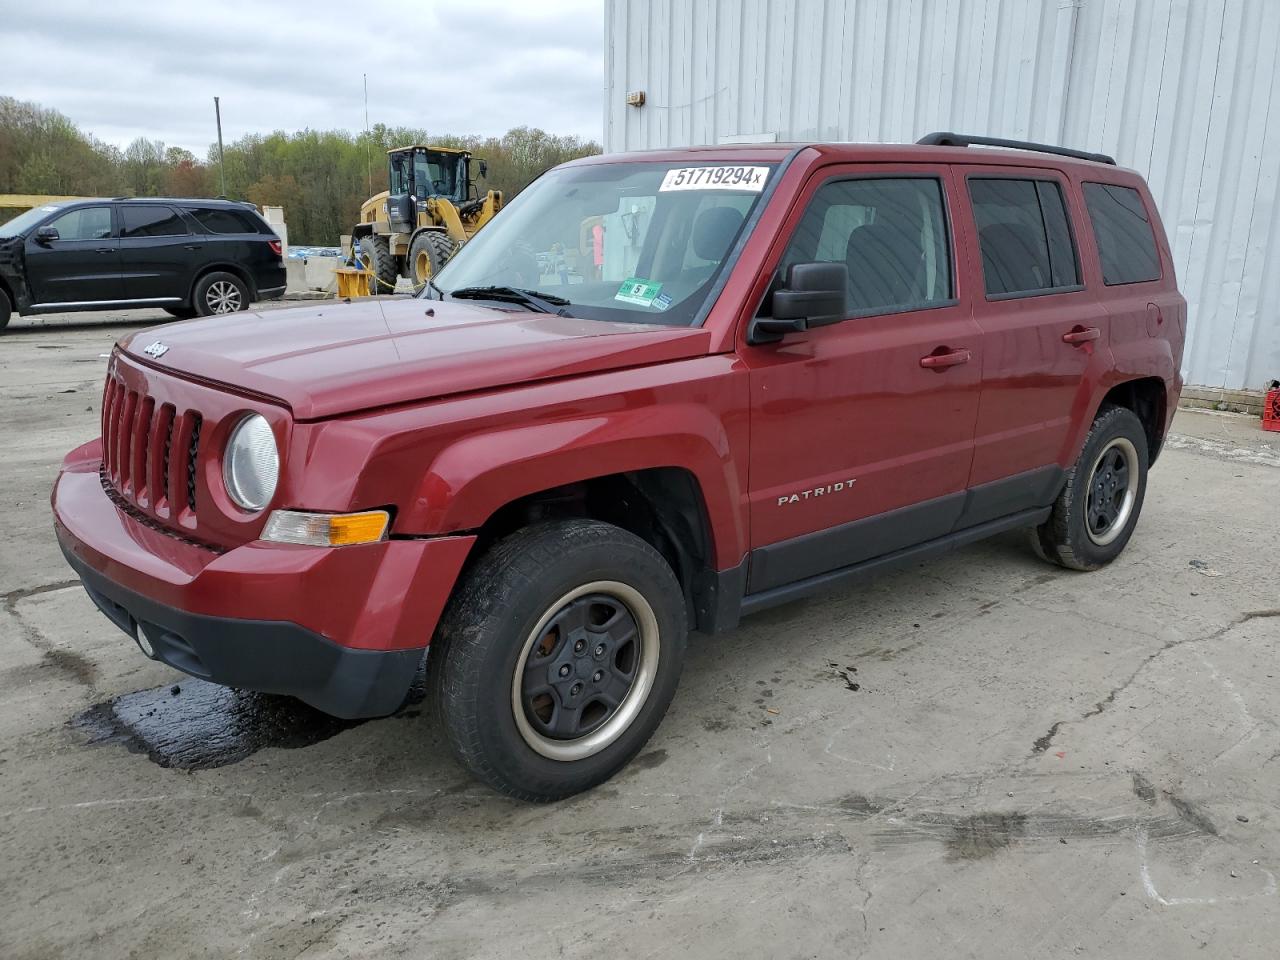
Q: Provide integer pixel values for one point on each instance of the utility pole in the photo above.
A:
(368, 148)
(222, 167)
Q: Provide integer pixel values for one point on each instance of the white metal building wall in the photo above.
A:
(1185, 91)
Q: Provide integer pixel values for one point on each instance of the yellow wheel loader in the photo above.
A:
(433, 205)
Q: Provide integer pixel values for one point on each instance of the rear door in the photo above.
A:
(158, 253)
(1042, 332)
(862, 431)
(82, 265)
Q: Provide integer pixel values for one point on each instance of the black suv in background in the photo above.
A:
(191, 257)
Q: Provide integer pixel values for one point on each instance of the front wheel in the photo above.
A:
(429, 252)
(6, 309)
(1094, 515)
(558, 657)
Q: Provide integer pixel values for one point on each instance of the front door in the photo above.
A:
(862, 431)
(158, 252)
(81, 266)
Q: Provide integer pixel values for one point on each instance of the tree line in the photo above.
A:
(319, 177)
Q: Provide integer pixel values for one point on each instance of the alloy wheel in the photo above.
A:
(223, 296)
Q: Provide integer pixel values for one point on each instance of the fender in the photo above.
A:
(13, 277)
(1114, 365)
(469, 480)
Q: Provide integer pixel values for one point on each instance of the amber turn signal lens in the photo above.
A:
(357, 528)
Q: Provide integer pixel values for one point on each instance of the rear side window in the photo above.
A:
(151, 221)
(1122, 228)
(891, 234)
(1024, 235)
(227, 220)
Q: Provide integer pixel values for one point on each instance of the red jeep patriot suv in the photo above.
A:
(658, 392)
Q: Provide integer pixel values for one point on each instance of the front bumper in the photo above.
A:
(343, 629)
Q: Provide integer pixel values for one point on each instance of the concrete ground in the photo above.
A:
(982, 757)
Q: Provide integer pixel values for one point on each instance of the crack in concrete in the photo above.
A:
(72, 664)
(1042, 743)
(13, 597)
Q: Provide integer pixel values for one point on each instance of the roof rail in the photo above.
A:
(943, 139)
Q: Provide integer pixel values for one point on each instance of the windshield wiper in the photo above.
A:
(541, 302)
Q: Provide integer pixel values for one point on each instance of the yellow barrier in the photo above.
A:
(354, 282)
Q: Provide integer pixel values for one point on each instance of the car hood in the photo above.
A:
(340, 357)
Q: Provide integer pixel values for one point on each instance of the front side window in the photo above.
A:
(891, 234)
(87, 223)
(1122, 229)
(634, 242)
(151, 221)
(401, 174)
(1024, 235)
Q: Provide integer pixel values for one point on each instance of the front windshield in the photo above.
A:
(636, 242)
(24, 221)
(434, 174)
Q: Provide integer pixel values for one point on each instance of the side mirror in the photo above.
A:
(812, 295)
(484, 169)
(46, 235)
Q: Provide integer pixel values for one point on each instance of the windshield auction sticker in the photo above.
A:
(640, 292)
(749, 179)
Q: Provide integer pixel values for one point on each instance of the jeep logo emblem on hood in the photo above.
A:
(156, 350)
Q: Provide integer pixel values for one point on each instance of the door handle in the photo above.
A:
(1078, 335)
(193, 246)
(106, 250)
(940, 361)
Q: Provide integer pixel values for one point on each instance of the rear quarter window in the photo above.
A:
(1122, 230)
(226, 220)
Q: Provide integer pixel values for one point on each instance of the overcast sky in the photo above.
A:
(123, 69)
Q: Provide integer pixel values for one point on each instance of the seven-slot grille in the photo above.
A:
(149, 451)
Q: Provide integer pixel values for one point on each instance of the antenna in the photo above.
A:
(222, 166)
(368, 148)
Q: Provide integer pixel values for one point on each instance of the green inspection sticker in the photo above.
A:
(640, 292)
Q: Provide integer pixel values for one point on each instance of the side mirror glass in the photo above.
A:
(46, 235)
(484, 169)
(811, 295)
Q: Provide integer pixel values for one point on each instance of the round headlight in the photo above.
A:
(251, 465)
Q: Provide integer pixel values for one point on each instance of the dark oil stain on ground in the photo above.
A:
(194, 725)
(983, 834)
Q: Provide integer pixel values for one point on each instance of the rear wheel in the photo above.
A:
(1094, 516)
(558, 657)
(6, 309)
(427, 254)
(219, 293)
(376, 255)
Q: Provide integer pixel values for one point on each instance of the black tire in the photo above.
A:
(182, 313)
(6, 309)
(376, 255)
(509, 599)
(427, 254)
(1098, 508)
(219, 293)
